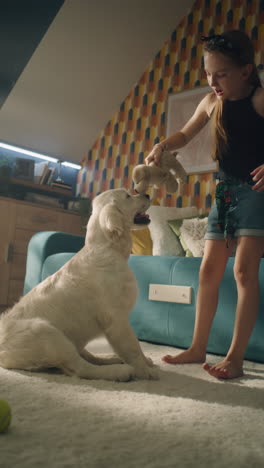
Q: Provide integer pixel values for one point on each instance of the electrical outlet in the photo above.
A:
(170, 293)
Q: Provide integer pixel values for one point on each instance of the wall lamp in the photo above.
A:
(38, 155)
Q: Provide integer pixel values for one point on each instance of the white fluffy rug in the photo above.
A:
(186, 419)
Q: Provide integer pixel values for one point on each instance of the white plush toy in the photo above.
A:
(168, 174)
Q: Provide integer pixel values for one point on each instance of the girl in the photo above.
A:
(236, 108)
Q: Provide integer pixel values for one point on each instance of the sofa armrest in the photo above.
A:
(42, 245)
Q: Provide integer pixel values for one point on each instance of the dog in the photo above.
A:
(90, 296)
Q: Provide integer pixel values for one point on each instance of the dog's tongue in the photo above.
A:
(141, 218)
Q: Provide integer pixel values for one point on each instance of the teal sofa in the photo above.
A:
(155, 321)
(47, 252)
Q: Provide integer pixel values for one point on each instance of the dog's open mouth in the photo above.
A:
(141, 218)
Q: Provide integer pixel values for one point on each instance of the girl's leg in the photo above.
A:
(246, 270)
(211, 273)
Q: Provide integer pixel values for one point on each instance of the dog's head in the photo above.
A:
(118, 212)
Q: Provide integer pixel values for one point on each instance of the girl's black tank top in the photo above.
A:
(245, 136)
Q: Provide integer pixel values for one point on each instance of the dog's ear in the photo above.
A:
(112, 221)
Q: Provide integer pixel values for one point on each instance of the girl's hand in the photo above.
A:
(154, 155)
(258, 174)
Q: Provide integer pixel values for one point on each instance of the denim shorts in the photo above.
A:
(247, 213)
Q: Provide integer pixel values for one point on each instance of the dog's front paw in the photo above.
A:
(147, 373)
(116, 372)
(123, 373)
(149, 361)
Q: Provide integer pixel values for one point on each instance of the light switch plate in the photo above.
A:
(170, 293)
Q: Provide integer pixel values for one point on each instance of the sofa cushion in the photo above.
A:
(173, 323)
(191, 232)
(41, 246)
(54, 262)
(164, 240)
(142, 242)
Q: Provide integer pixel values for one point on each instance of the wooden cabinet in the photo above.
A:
(19, 220)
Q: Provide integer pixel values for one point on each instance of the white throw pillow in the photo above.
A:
(192, 233)
(164, 240)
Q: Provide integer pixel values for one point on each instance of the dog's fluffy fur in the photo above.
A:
(89, 296)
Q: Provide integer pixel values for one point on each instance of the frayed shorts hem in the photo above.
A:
(238, 233)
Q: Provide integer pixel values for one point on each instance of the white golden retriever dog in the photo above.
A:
(90, 296)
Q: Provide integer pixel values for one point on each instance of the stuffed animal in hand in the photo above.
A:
(168, 174)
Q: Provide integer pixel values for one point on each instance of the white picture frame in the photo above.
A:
(196, 156)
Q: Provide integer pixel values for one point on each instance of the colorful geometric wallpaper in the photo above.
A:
(140, 121)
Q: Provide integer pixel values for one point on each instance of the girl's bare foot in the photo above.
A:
(226, 369)
(190, 356)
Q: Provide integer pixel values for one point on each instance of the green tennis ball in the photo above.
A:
(5, 415)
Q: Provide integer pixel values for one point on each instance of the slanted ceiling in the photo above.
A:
(69, 64)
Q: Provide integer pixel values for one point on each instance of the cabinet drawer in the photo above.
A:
(36, 219)
(15, 291)
(22, 238)
(18, 267)
(7, 229)
(70, 223)
(4, 275)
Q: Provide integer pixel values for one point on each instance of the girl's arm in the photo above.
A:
(182, 137)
